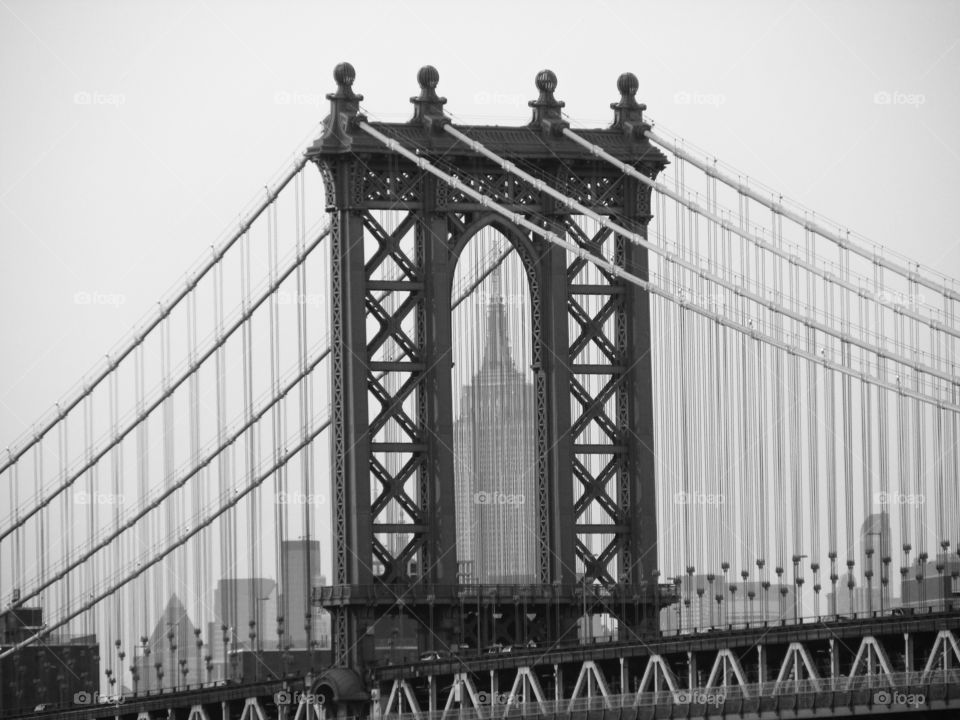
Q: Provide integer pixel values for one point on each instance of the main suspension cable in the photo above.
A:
(617, 271)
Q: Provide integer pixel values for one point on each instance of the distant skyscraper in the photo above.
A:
(172, 644)
(876, 542)
(50, 672)
(495, 463)
(750, 604)
(299, 575)
(934, 585)
(237, 602)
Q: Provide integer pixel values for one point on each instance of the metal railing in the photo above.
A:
(897, 687)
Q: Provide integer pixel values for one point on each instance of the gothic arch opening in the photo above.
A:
(494, 411)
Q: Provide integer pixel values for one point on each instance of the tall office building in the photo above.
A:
(172, 646)
(495, 463)
(237, 602)
(50, 673)
(749, 605)
(299, 575)
(934, 585)
(875, 543)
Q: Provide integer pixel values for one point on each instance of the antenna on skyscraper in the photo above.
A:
(496, 289)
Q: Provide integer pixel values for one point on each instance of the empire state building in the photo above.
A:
(495, 462)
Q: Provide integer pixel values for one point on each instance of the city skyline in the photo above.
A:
(511, 359)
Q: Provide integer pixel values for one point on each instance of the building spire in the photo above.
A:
(496, 283)
(496, 351)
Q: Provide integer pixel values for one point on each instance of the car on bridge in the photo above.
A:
(434, 655)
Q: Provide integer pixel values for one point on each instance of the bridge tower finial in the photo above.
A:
(546, 108)
(428, 106)
(344, 107)
(628, 113)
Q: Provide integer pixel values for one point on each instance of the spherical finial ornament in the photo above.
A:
(627, 112)
(546, 81)
(628, 84)
(344, 74)
(546, 108)
(428, 77)
(428, 106)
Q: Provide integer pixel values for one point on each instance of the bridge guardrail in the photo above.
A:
(897, 688)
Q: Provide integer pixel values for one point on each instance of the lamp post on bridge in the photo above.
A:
(710, 578)
(700, 591)
(585, 623)
(656, 599)
(797, 583)
(121, 655)
(199, 643)
(172, 639)
(145, 641)
(744, 574)
(226, 642)
(134, 671)
(868, 573)
(725, 566)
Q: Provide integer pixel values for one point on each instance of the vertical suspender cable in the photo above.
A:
(114, 607)
(847, 418)
(919, 414)
(866, 433)
(175, 507)
(88, 434)
(276, 419)
(903, 448)
(830, 411)
(44, 551)
(197, 550)
(64, 596)
(883, 444)
(953, 464)
(252, 538)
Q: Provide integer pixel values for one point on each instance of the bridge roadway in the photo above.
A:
(769, 633)
(836, 694)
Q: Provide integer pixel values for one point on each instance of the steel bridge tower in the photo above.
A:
(373, 554)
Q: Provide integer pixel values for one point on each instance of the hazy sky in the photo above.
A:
(132, 133)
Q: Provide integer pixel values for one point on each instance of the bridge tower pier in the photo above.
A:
(380, 562)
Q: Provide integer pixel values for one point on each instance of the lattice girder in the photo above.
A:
(391, 406)
(396, 235)
(595, 489)
(593, 408)
(603, 373)
(394, 488)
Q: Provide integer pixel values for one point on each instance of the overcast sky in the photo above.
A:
(132, 133)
